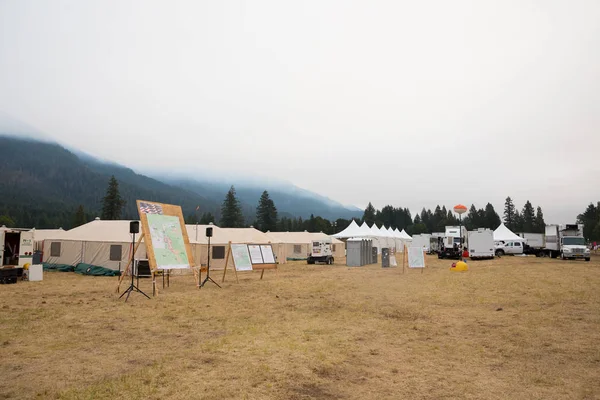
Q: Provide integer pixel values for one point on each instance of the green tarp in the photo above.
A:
(88, 269)
(58, 267)
(81, 268)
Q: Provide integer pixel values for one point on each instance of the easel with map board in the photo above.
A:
(413, 257)
(169, 246)
(250, 257)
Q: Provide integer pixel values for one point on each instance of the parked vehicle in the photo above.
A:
(509, 247)
(481, 244)
(566, 242)
(321, 252)
(535, 243)
(435, 242)
(423, 240)
(451, 242)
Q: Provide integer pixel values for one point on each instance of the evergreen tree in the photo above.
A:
(266, 213)
(509, 214)
(79, 218)
(207, 218)
(369, 215)
(539, 225)
(231, 212)
(590, 219)
(528, 217)
(518, 222)
(491, 217)
(113, 203)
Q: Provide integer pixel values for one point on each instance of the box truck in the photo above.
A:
(481, 244)
(16, 247)
(566, 242)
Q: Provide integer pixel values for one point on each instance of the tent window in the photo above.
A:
(297, 248)
(115, 252)
(218, 253)
(55, 249)
(333, 247)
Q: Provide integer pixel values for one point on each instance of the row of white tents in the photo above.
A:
(382, 237)
(108, 244)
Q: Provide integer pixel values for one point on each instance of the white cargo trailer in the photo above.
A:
(16, 247)
(481, 244)
(423, 240)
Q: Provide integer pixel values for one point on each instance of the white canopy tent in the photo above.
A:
(353, 230)
(297, 245)
(503, 234)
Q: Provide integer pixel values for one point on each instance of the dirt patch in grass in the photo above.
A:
(515, 327)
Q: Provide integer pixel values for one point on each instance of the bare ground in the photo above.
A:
(516, 327)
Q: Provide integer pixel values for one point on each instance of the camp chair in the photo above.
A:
(143, 270)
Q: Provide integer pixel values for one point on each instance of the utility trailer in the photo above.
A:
(566, 242)
(481, 244)
(423, 240)
(535, 243)
(16, 247)
(451, 243)
(321, 252)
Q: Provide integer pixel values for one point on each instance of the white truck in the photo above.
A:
(566, 242)
(453, 237)
(16, 247)
(481, 244)
(509, 247)
(321, 252)
(423, 240)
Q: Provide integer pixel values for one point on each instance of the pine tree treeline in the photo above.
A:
(528, 220)
(590, 219)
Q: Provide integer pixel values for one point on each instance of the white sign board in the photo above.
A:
(267, 253)
(416, 257)
(241, 257)
(255, 254)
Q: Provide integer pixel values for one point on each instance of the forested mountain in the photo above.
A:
(42, 185)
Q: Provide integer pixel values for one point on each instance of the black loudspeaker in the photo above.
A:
(209, 232)
(134, 227)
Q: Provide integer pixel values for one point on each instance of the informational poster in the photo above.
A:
(267, 253)
(165, 236)
(255, 254)
(241, 257)
(416, 257)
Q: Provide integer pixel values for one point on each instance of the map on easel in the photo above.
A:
(241, 257)
(416, 257)
(167, 242)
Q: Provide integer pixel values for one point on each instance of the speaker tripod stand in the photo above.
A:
(132, 287)
(208, 278)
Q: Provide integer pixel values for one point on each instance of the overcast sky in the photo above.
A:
(409, 103)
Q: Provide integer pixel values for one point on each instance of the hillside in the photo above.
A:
(42, 184)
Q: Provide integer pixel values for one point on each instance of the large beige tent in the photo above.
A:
(297, 245)
(102, 243)
(221, 239)
(108, 244)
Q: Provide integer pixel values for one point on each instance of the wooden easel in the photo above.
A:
(227, 257)
(129, 268)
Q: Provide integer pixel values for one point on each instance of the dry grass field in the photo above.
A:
(510, 328)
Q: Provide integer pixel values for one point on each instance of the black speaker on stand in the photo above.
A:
(134, 227)
(209, 233)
